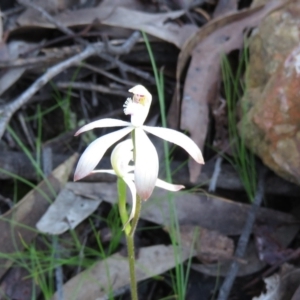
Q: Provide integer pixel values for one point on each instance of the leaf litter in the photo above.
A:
(208, 223)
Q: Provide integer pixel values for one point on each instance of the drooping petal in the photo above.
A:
(102, 123)
(168, 186)
(132, 188)
(179, 139)
(95, 151)
(146, 164)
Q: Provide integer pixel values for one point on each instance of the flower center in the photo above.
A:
(141, 99)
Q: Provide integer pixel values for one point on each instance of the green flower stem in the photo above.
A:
(130, 249)
(129, 232)
(122, 205)
(136, 215)
(131, 260)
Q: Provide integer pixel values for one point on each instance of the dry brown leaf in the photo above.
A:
(95, 283)
(201, 84)
(56, 5)
(18, 284)
(80, 17)
(289, 281)
(282, 285)
(10, 76)
(51, 6)
(158, 25)
(249, 265)
(214, 213)
(296, 296)
(272, 284)
(209, 244)
(224, 7)
(66, 212)
(17, 226)
(131, 4)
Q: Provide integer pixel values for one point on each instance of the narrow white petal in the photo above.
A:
(112, 172)
(146, 164)
(102, 123)
(132, 188)
(179, 139)
(163, 184)
(168, 186)
(95, 151)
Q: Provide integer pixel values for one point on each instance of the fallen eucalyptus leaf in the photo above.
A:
(211, 212)
(272, 286)
(156, 24)
(209, 245)
(66, 212)
(112, 273)
(207, 46)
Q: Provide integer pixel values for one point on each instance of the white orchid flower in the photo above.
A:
(120, 159)
(146, 158)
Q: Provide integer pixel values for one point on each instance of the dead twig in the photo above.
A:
(127, 68)
(88, 86)
(11, 11)
(32, 62)
(294, 255)
(61, 39)
(7, 110)
(52, 20)
(125, 48)
(244, 238)
(107, 74)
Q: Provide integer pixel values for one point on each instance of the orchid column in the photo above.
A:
(141, 175)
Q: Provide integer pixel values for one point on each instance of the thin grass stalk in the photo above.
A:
(32, 160)
(38, 144)
(243, 159)
(180, 287)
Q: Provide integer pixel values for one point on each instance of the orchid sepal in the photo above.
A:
(179, 139)
(146, 164)
(95, 151)
(108, 122)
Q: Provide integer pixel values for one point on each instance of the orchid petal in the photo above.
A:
(112, 172)
(146, 164)
(121, 156)
(163, 184)
(95, 151)
(168, 186)
(132, 188)
(102, 123)
(179, 139)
